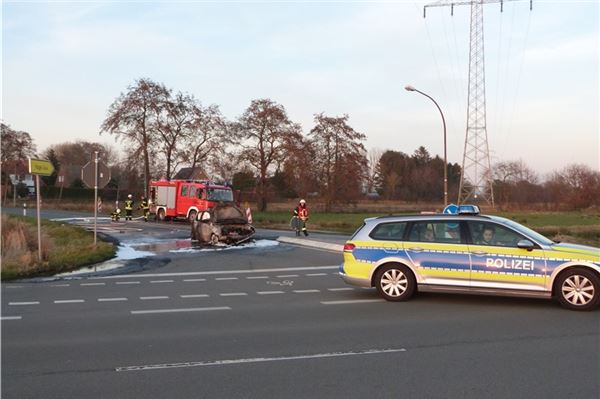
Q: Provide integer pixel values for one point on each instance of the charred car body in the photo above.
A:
(225, 223)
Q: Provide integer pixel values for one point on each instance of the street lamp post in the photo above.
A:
(410, 88)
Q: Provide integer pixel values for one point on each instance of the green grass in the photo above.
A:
(64, 248)
(579, 227)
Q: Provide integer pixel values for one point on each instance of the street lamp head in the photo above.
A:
(409, 88)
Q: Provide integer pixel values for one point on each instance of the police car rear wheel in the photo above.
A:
(579, 289)
(395, 283)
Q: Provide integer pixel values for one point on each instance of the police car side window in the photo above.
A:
(483, 233)
(389, 231)
(439, 232)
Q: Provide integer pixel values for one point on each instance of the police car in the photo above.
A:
(469, 253)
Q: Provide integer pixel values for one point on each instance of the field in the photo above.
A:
(64, 248)
(578, 227)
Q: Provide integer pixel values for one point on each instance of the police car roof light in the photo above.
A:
(468, 210)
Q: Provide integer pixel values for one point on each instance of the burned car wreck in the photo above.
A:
(224, 223)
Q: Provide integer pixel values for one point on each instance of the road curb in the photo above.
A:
(312, 243)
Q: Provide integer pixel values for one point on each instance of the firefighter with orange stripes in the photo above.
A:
(301, 214)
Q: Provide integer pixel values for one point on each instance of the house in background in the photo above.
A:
(196, 173)
(18, 172)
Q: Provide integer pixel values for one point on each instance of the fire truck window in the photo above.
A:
(184, 190)
(202, 193)
(193, 191)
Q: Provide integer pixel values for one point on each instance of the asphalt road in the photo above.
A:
(275, 321)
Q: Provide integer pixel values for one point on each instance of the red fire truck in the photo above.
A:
(185, 198)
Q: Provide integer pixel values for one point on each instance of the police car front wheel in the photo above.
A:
(395, 282)
(578, 289)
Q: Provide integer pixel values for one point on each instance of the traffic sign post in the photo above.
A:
(97, 175)
(39, 167)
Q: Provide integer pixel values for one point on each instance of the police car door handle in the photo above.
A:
(391, 250)
(416, 249)
(479, 253)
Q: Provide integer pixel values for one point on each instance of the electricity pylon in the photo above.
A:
(476, 174)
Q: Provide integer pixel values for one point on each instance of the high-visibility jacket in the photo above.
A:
(301, 212)
(128, 205)
(144, 205)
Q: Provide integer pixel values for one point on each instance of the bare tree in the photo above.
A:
(130, 119)
(265, 131)
(373, 157)
(15, 146)
(339, 157)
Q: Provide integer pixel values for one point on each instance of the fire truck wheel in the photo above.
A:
(161, 216)
(192, 216)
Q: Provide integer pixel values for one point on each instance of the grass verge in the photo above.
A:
(64, 248)
(577, 227)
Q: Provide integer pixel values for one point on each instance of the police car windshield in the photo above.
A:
(528, 232)
(220, 194)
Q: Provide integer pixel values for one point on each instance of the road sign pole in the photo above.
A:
(95, 197)
(39, 225)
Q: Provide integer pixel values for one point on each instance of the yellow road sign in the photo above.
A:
(40, 167)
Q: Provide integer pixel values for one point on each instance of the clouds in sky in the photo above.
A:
(64, 63)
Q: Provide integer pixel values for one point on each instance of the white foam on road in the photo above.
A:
(261, 359)
(126, 252)
(255, 244)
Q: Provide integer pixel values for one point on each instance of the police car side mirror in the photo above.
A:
(525, 244)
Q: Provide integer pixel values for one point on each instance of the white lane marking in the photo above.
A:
(24, 303)
(287, 275)
(233, 294)
(111, 299)
(70, 301)
(92, 284)
(256, 277)
(335, 274)
(13, 286)
(147, 298)
(10, 318)
(127, 282)
(316, 274)
(194, 279)
(305, 291)
(160, 281)
(242, 271)
(60, 285)
(261, 359)
(195, 296)
(225, 278)
(341, 289)
(351, 301)
(179, 310)
(269, 292)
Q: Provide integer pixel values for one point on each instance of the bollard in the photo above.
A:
(24, 208)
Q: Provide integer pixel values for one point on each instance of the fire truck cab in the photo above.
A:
(185, 198)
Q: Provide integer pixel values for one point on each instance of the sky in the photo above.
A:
(64, 63)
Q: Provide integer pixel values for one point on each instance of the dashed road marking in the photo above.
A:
(127, 282)
(149, 298)
(341, 289)
(305, 291)
(189, 280)
(160, 281)
(257, 277)
(91, 284)
(10, 318)
(316, 274)
(195, 296)
(60, 285)
(69, 301)
(111, 299)
(287, 275)
(13, 286)
(179, 310)
(225, 278)
(233, 294)
(269, 292)
(24, 303)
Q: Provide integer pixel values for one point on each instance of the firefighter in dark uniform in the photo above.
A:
(145, 207)
(128, 207)
(301, 213)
